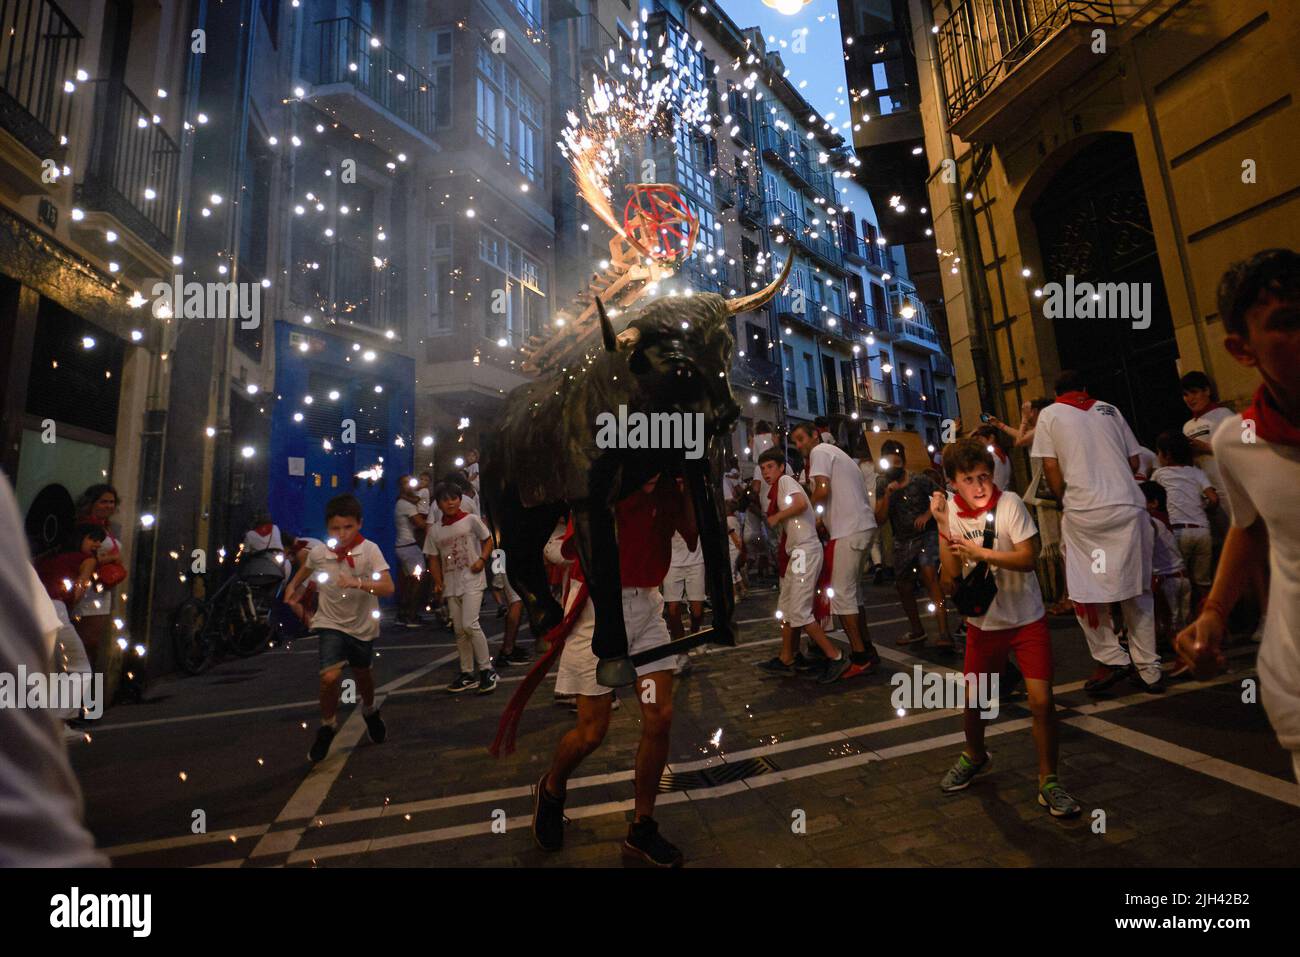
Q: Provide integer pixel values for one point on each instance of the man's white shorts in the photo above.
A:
(643, 615)
(846, 571)
(795, 599)
(685, 582)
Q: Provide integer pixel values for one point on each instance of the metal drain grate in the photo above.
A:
(712, 777)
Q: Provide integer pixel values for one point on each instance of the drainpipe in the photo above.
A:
(983, 358)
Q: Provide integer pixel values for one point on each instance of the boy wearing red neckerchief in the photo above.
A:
(1258, 454)
(1015, 620)
(351, 576)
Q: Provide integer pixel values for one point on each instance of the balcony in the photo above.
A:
(821, 247)
(918, 333)
(909, 398)
(822, 182)
(133, 172)
(724, 189)
(368, 86)
(1001, 58)
(706, 277)
(38, 54)
(595, 42)
(876, 392)
(941, 366)
(342, 281)
(750, 207)
(789, 308)
(758, 374)
(786, 151)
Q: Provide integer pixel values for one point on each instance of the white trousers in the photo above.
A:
(470, 640)
(1140, 619)
(69, 656)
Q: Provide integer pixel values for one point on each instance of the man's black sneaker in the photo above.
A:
(375, 726)
(321, 746)
(548, 818)
(487, 681)
(834, 669)
(501, 611)
(777, 667)
(500, 661)
(519, 657)
(645, 843)
(464, 682)
(1150, 687)
(802, 664)
(415, 622)
(1104, 677)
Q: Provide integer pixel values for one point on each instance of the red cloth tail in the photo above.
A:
(821, 601)
(1087, 613)
(508, 727)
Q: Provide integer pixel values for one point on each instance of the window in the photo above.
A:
(513, 288)
(791, 390)
(509, 117)
(440, 71)
(440, 277)
(531, 11)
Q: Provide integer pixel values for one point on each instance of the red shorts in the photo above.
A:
(986, 651)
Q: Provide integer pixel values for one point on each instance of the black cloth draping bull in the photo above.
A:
(671, 355)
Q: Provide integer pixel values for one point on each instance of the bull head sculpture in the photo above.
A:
(672, 354)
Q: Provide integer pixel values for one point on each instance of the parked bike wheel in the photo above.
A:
(249, 632)
(191, 641)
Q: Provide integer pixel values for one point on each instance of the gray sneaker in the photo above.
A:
(961, 774)
(1057, 799)
(834, 670)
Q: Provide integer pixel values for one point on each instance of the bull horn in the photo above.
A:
(606, 327)
(754, 300)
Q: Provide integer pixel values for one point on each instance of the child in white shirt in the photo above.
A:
(458, 545)
(1189, 494)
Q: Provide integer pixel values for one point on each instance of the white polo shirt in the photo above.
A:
(848, 510)
(1092, 448)
(1262, 480)
(353, 611)
(1203, 427)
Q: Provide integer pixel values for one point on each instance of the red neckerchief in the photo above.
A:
(821, 600)
(1270, 423)
(1079, 399)
(782, 558)
(264, 529)
(966, 510)
(1002, 456)
(452, 521)
(345, 553)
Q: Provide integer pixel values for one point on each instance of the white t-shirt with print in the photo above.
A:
(848, 510)
(458, 546)
(800, 529)
(353, 611)
(1183, 485)
(1018, 601)
(1262, 480)
(1203, 427)
(1093, 449)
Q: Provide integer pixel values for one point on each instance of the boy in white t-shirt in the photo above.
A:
(350, 575)
(1258, 453)
(458, 547)
(1189, 494)
(799, 561)
(1015, 619)
(1168, 571)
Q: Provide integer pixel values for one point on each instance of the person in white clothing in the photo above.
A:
(1148, 462)
(976, 512)
(1089, 454)
(458, 547)
(1171, 586)
(1202, 400)
(410, 528)
(684, 583)
(1189, 494)
(1258, 454)
(800, 564)
(843, 506)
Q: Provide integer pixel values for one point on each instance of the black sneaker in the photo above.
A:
(464, 682)
(321, 746)
(1150, 687)
(802, 664)
(645, 843)
(1104, 677)
(834, 669)
(500, 661)
(487, 682)
(548, 818)
(777, 667)
(519, 657)
(375, 727)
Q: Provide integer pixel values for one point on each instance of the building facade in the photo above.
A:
(1122, 143)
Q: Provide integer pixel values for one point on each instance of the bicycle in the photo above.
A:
(234, 619)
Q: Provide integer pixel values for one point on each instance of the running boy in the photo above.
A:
(351, 576)
(1015, 621)
(799, 563)
(458, 547)
(1258, 453)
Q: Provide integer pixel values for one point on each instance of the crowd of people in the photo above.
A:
(1150, 551)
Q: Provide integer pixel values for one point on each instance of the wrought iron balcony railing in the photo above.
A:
(984, 40)
(750, 207)
(38, 55)
(134, 166)
(941, 365)
(349, 53)
(594, 41)
(724, 189)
